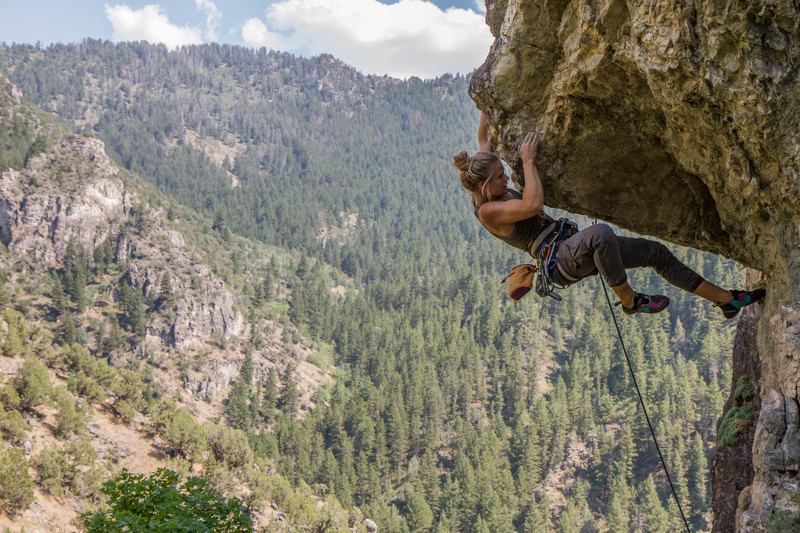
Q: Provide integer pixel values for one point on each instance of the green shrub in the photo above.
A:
(782, 522)
(9, 397)
(71, 416)
(70, 469)
(51, 470)
(16, 485)
(33, 384)
(127, 390)
(230, 447)
(88, 388)
(744, 390)
(178, 428)
(78, 359)
(733, 424)
(160, 503)
(13, 427)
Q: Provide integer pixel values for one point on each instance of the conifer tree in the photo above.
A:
(67, 332)
(4, 298)
(655, 515)
(246, 371)
(698, 486)
(133, 313)
(570, 521)
(269, 401)
(398, 437)
(420, 516)
(537, 517)
(166, 294)
(618, 514)
(115, 339)
(290, 397)
(237, 411)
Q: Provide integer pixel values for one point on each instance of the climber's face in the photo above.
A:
(495, 186)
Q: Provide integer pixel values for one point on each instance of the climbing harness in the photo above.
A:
(543, 251)
(523, 278)
(641, 402)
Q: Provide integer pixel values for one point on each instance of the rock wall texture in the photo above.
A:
(678, 120)
(732, 466)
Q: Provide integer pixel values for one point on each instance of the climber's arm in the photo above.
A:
(532, 201)
(483, 135)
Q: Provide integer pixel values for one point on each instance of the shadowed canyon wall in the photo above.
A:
(677, 120)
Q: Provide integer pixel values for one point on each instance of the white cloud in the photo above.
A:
(213, 16)
(480, 5)
(149, 24)
(408, 38)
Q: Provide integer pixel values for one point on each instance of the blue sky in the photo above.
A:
(402, 38)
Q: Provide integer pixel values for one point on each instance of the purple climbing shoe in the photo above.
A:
(642, 303)
(740, 299)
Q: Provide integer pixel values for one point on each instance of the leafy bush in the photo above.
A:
(16, 485)
(13, 427)
(33, 384)
(733, 425)
(230, 447)
(71, 416)
(178, 428)
(744, 390)
(161, 503)
(9, 397)
(127, 390)
(70, 469)
(14, 344)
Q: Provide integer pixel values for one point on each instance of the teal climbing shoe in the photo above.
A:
(740, 299)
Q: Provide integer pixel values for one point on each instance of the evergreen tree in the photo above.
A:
(67, 332)
(4, 297)
(133, 312)
(58, 296)
(698, 485)
(537, 517)
(420, 516)
(655, 515)
(290, 397)
(269, 401)
(618, 515)
(246, 371)
(237, 410)
(166, 295)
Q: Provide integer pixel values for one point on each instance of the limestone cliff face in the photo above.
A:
(72, 192)
(677, 120)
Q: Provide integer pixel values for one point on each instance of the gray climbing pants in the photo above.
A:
(597, 249)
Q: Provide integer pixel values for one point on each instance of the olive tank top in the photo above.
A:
(525, 231)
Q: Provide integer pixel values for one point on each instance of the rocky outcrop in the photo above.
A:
(72, 192)
(41, 219)
(676, 120)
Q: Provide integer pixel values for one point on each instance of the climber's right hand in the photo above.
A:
(527, 150)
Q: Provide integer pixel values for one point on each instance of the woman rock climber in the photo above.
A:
(518, 220)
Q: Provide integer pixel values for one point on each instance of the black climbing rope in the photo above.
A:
(641, 402)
